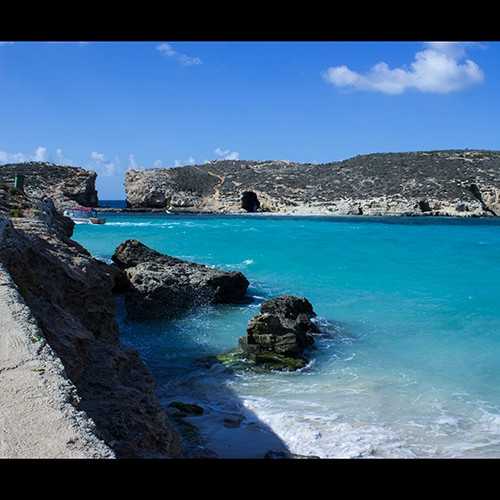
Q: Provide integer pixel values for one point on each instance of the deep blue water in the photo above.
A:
(112, 203)
(411, 366)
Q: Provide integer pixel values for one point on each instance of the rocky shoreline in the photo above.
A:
(159, 211)
(100, 391)
(71, 388)
(459, 183)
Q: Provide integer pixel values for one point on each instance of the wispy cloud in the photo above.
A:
(40, 154)
(61, 159)
(6, 43)
(104, 167)
(189, 161)
(6, 157)
(441, 67)
(98, 157)
(167, 50)
(132, 164)
(226, 154)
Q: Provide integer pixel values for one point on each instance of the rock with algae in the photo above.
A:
(276, 339)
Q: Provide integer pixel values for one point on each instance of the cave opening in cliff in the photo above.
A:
(249, 201)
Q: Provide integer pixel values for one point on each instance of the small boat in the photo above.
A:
(83, 215)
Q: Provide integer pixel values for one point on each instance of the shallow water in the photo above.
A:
(411, 364)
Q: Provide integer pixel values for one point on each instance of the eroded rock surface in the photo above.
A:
(66, 186)
(455, 182)
(69, 294)
(279, 335)
(161, 286)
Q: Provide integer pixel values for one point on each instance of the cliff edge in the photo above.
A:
(66, 186)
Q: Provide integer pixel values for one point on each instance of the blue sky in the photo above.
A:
(114, 106)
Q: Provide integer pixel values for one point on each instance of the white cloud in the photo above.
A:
(6, 43)
(188, 61)
(167, 50)
(104, 167)
(40, 154)
(441, 67)
(6, 157)
(98, 157)
(157, 164)
(226, 154)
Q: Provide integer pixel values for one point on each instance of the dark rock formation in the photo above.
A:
(375, 184)
(66, 186)
(424, 206)
(278, 336)
(161, 286)
(249, 201)
(233, 422)
(70, 295)
(185, 409)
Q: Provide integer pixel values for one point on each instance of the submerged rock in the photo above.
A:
(187, 408)
(233, 422)
(278, 337)
(161, 286)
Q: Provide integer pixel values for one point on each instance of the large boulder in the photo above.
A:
(279, 335)
(161, 286)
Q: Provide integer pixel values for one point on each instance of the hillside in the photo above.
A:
(453, 182)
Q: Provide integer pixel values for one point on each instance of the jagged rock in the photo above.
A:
(277, 337)
(375, 184)
(162, 286)
(289, 307)
(66, 186)
(70, 295)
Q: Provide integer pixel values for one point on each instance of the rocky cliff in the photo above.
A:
(66, 186)
(454, 182)
(69, 308)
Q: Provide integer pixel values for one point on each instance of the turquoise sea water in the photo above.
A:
(410, 366)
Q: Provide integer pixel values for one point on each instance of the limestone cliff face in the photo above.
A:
(66, 186)
(454, 182)
(69, 294)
